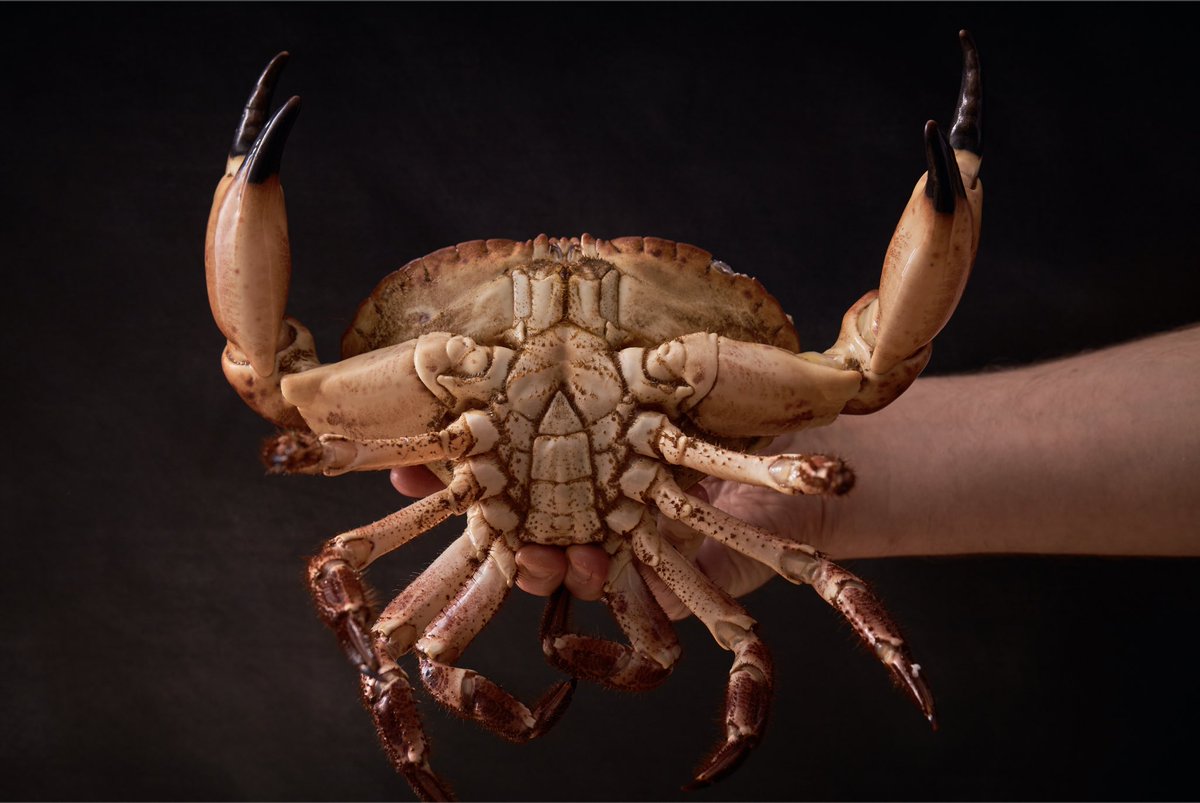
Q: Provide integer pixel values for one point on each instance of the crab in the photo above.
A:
(568, 391)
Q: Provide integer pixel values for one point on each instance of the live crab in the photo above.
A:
(567, 390)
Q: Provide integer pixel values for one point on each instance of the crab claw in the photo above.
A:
(246, 255)
(931, 253)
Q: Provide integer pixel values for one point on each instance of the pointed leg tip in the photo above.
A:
(728, 758)
(552, 706)
(560, 697)
(427, 784)
(908, 675)
(558, 611)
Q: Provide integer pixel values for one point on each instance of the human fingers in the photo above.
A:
(540, 569)
(587, 569)
(582, 568)
(733, 572)
(415, 481)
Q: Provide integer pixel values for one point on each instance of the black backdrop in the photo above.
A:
(157, 640)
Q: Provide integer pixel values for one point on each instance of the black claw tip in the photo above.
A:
(945, 182)
(967, 133)
(265, 156)
(257, 106)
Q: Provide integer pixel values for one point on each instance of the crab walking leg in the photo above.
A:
(407, 616)
(342, 600)
(388, 696)
(653, 646)
(334, 575)
(800, 563)
(298, 452)
(466, 692)
(653, 435)
(748, 694)
(386, 693)
(359, 547)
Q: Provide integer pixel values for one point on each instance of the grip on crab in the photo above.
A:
(247, 260)
(931, 253)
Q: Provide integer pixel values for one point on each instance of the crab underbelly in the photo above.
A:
(562, 494)
(565, 412)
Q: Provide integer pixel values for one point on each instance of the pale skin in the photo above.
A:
(1096, 454)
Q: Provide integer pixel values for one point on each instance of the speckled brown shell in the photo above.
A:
(668, 289)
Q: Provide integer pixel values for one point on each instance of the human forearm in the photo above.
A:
(1095, 454)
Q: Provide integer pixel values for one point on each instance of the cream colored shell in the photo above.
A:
(667, 290)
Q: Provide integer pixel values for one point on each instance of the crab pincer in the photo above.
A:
(247, 260)
(933, 248)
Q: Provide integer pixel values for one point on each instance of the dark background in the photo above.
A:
(157, 640)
